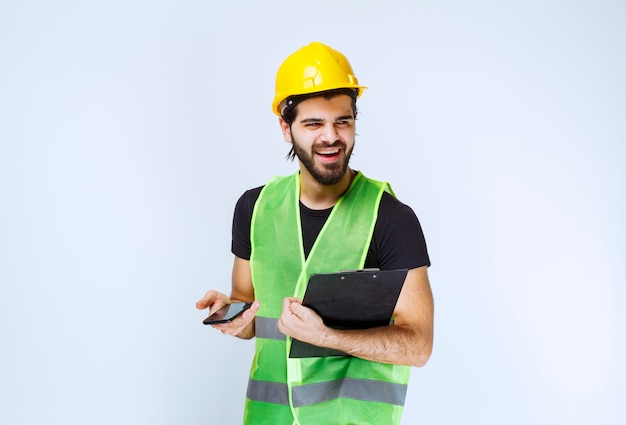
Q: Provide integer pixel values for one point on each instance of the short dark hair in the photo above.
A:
(290, 112)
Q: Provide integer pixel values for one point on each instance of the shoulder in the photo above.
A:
(248, 199)
(396, 217)
(242, 217)
(392, 207)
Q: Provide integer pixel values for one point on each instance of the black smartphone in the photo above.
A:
(227, 313)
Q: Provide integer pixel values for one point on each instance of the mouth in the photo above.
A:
(328, 153)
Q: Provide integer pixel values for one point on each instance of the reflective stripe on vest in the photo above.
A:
(268, 392)
(267, 327)
(307, 395)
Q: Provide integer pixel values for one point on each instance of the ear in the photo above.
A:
(285, 128)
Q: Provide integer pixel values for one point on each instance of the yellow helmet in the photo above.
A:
(314, 68)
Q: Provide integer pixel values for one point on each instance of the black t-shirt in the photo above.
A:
(397, 243)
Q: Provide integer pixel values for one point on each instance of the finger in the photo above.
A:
(225, 328)
(293, 299)
(207, 300)
(296, 301)
(286, 304)
(298, 309)
(288, 301)
(213, 299)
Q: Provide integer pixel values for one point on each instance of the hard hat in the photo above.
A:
(314, 68)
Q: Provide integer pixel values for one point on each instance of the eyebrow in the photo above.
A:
(312, 120)
(309, 120)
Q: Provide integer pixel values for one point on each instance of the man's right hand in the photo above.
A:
(242, 326)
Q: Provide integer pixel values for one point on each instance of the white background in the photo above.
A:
(129, 129)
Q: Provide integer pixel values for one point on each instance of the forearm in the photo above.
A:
(243, 290)
(394, 344)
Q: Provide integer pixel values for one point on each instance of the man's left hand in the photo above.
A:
(301, 323)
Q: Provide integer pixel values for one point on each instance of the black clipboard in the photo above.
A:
(357, 299)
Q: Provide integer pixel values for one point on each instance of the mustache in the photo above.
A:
(337, 143)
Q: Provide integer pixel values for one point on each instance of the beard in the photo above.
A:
(326, 174)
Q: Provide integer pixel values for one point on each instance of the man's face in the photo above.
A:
(323, 136)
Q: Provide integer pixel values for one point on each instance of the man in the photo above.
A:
(325, 218)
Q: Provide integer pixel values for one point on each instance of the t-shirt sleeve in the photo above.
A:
(242, 218)
(398, 241)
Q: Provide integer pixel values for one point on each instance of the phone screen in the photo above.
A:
(227, 313)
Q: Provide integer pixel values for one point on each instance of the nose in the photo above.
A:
(330, 134)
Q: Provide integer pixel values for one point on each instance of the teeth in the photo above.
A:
(333, 152)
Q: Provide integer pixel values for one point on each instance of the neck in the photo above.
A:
(317, 196)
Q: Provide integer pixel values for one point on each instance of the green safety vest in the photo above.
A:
(320, 390)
